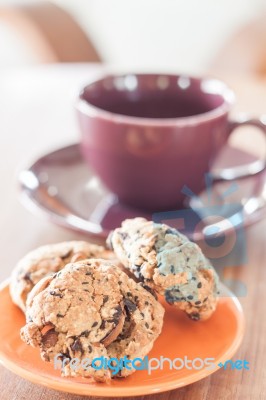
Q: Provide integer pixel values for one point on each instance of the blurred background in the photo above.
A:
(172, 35)
(49, 50)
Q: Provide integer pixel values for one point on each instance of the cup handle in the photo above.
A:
(249, 169)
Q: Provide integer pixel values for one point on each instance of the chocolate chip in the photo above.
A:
(206, 298)
(115, 330)
(147, 325)
(85, 333)
(94, 324)
(130, 307)
(194, 316)
(54, 293)
(197, 302)
(88, 273)
(124, 235)
(49, 339)
(27, 277)
(90, 348)
(77, 346)
(169, 298)
(170, 231)
(190, 297)
(85, 283)
(102, 326)
(150, 290)
(105, 299)
(172, 268)
(146, 303)
(199, 285)
(60, 315)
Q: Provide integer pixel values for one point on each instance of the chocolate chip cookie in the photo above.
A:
(167, 262)
(46, 260)
(91, 309)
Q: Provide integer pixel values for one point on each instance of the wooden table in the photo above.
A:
(36, 114)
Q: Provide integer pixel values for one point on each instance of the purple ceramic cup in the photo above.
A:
(148, 135)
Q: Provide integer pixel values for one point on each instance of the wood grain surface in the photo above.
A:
(36, 115)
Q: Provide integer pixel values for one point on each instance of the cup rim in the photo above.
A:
(85, 107)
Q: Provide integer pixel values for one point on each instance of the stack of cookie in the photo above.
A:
(80, 303)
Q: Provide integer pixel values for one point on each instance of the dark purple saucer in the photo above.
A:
(64, 189)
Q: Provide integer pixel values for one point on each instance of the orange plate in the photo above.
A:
(218, 337)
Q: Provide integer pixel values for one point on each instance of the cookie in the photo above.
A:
(91, 309)
(167, 262)
(46, 260)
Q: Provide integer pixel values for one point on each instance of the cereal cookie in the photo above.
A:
(47, 260)
(88, 310)
(166, 261)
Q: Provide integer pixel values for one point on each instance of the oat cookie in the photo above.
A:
(91, 309)
(46, 260)
(166, 261)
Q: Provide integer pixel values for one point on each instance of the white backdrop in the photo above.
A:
(174, 35)
(181, 35)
